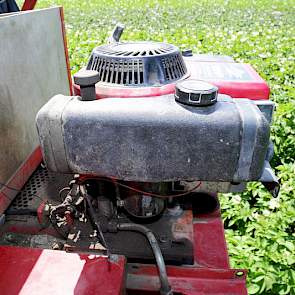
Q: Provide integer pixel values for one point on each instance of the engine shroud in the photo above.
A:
(138, 64)
(154, 140)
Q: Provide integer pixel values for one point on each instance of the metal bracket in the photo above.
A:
(269, 180)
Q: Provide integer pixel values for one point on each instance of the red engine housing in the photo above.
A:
(237, 80)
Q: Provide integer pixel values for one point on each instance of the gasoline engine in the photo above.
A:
(148, 144)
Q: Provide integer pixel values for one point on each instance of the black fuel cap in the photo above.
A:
(196, 93)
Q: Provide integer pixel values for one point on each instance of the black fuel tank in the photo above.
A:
(154, 139)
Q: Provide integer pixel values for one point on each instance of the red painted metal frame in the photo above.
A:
(30, 271)
(190, 281)
(211, 273)
(209, 241)
(19, 178)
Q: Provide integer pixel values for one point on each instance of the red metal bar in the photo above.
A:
(185, 280)
(63, 28)
(19, 178)
(29, 5)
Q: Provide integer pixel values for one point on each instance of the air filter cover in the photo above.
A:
(139, 63)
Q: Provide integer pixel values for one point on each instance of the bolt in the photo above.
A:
(239, 273)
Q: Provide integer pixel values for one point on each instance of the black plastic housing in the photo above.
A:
(154, 139)
(138, 63)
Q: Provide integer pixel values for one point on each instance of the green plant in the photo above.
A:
(260, 230)
(283, 133)
(260, 234)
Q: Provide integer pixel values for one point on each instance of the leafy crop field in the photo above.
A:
(259, 229)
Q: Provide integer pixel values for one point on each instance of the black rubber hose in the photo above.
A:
(165, 286)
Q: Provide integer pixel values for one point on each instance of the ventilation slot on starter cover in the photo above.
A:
(138, 63)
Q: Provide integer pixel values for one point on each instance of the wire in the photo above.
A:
(148, 193)
(158, 195)
(63, 190)
(93, 216)
(17, 190)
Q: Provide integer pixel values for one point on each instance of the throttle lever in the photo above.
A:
(116, 34)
